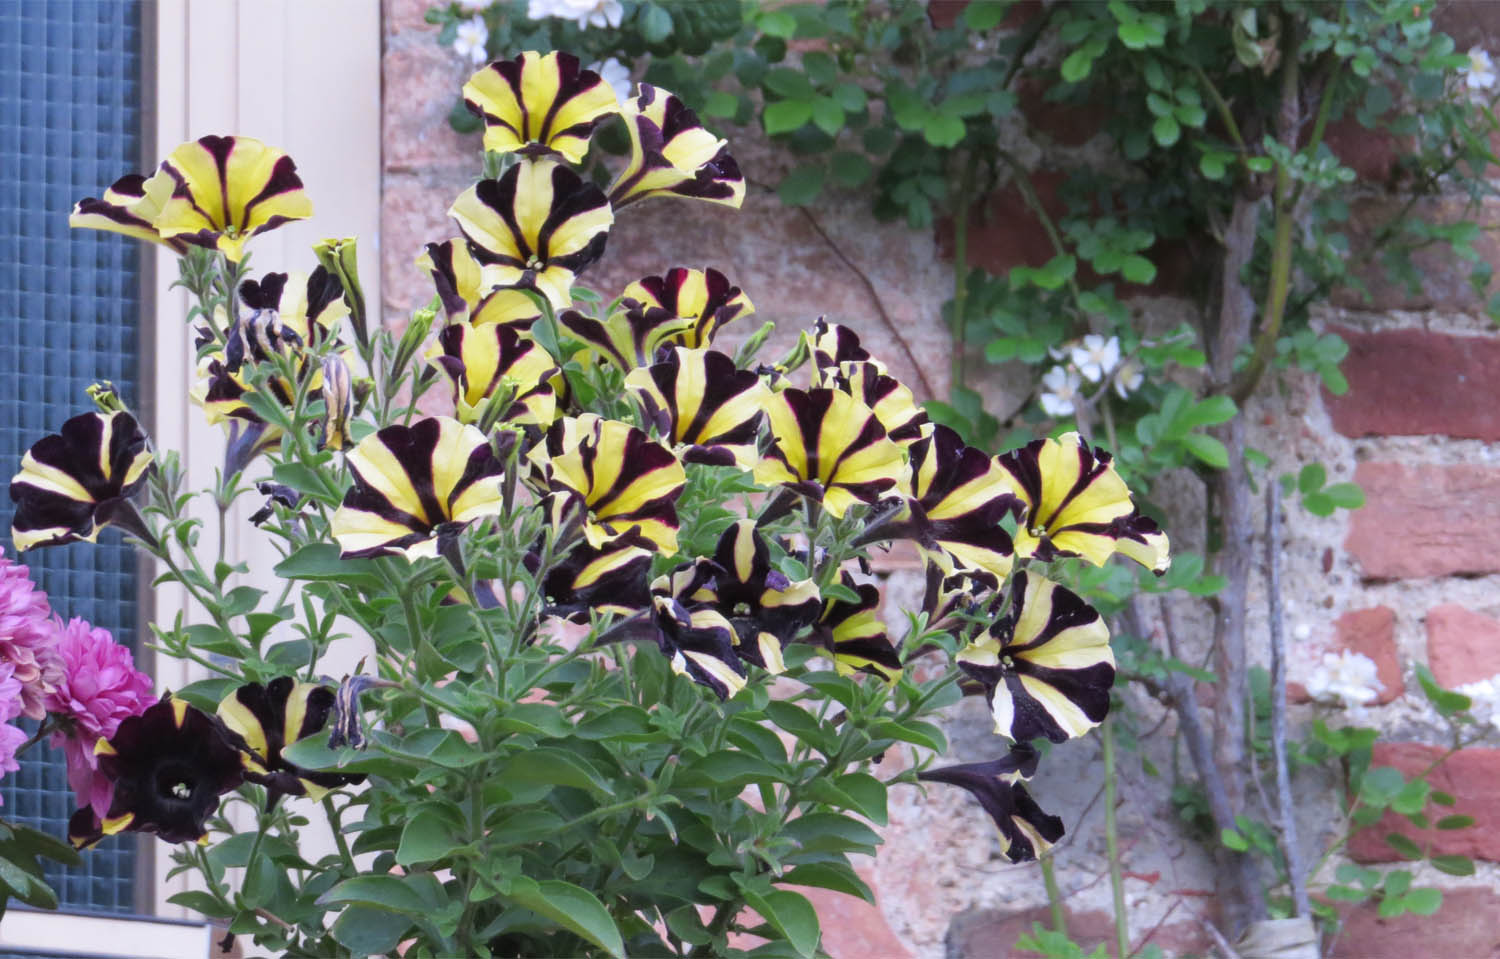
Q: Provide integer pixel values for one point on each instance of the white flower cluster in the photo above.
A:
(1486, 700)
(471, 39)
(1092, 358)
(1346, 679)
(586, 13)
(1479, 74)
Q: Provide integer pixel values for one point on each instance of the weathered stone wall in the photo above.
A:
(1411, 578)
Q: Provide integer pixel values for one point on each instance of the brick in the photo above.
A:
(412, 212)
(422, 81)
(1003, 232)
(1469, 775)
(1414, 383)
(1371, 154)
(1426, 520)
(945, 13)
(1466, 927)
(853, 928)
(1471, 23)
(1067, 124)
(1444, 278)
(1462, 645)
(404, 15)
(992, 934)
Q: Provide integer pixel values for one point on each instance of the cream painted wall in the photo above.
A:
(302, 75)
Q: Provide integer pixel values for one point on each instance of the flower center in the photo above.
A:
(533, 262)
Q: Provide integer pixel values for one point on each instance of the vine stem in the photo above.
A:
(1291, 846)
(1112, 841)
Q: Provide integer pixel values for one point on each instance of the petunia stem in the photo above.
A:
(1054, 894)
(335, 820)
(1112, 840)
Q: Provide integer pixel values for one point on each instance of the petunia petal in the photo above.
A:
(70, 480)
(539, 102)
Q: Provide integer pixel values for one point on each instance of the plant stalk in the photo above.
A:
(1112, 841)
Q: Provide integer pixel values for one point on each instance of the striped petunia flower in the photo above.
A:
(630, 337)
(709, 409)
(671, 154)
(80, 479)
(855, 635)
(1045, 664)
(1075, 504)
(833, 345)
(472, 292)
(704, 296)
(623, 483)
(892, 401)
(219, 191)
(540, 222)
(416, 487)
(271, 717)
(999, 785)
(539, 103)
(767, 609)
(697, 639)
(485, 360)
(611, 580)
(830, 447)
(125, 208)
(959, 497)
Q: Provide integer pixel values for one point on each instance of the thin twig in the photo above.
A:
(1291, 847)
(1218, 938)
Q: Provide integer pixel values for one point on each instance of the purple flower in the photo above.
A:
(28, 637)
(100, 688)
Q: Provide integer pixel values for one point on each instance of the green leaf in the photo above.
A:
(427, 837)
(868, 794)
(790, 84)
(840, 877)
(1077, 65)
(1166, 130)
(571, 907)
(1233, 839)
(1137, 269)
(382, 892)
(784, 116)
(1311, 478)
(1210, 411)
(656, 24)
(1455, 822)
(1454, 865)
(827, 115)
(985, 16)
(1445, 701)
(802, 185)
(721, 104)
(729, 768)
(1403, 846)
(850, 169)
(1207, 449)
(943, 130)
(791, 915)
(1424, 902)
(553, 767)
(201, 903)
(778, 23)
(365, 931)
(1345, 495)
(320, 561)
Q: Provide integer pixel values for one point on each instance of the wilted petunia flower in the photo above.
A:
(414, 487)
(219, 191)
(625, 483)
(704, 296)
(482, 361)
(959, 497)
(708, 408)
(1025, 830)
(169, 765)
(830, 447)
(338, 398)
(766, 608)
(539, 103)
(80, 479)
(539, 221)
(671, 154)
(472, 292)
(1074, 503)
(1046, 664)
(271, 717)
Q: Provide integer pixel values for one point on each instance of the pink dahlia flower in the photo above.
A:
(28, 637)
(100, 688)
(11, 737)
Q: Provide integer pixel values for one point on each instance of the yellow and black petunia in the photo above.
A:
(169, 766)
(219, 191)
(959, 496)
(539, 103)
(1025, 830)
(854, 634)
(338, 398)
(485, 360)
(1075, 504)
(893, 403)
(631, 337)
(1138, 537)
(833, 345)
(626, 483)
(671, 154)
(1046, 664)
(767, 609)
(78, 480)
(608, 581)
(471, 292)
(955, 602)
(830, 447)
(704, 296)
(271, 717)
(697, 639)
(709, 409)
(415, 486)
(540, 218)
(126, 209)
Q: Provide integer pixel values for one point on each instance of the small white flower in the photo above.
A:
(1061, 352)
(1063, 391)
(616, 74)
(1128, 378)
(1346, 679)
(471, 38)
(586, 13)
(1096, 356)
(1486, 700)
(1480, 73)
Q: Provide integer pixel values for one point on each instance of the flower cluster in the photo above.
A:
(1094, 360)
(1345, 678)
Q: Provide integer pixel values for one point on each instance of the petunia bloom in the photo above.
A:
(854, 634)
(766, 608)
(125, 209)
(219, 191)
(1046, 664)
(630, 337)
(482, 361)
(414, 487)
(892, 402)
(697, 639)
(671, 154)
(169, 766)
(830, 447)
(271, 717)
(539, 103)
(539, 221)
(28, 638)
(624, 483)
(707, 408)
(706, 297)
(1075, 504)
(1025, 830)
(78, 480)
(473, 292)
(611, 580)
(100, 689)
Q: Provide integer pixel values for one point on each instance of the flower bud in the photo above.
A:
(340, 257)
(106, 397)
(338, 396)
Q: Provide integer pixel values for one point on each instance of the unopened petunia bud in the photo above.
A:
(341, 258)
(338, 396)
(106, 397)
